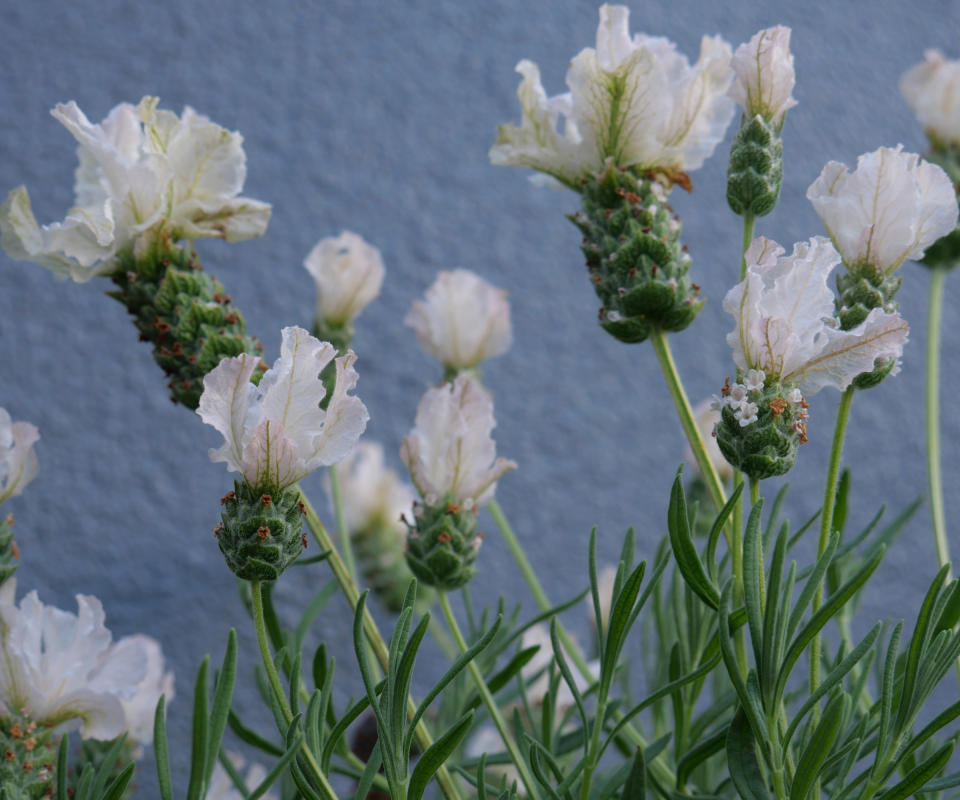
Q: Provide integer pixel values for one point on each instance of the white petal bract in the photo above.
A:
(450, 451)
(891, 208)
(142, 173)
(765, 75)
(633, 101)
(463, 320)
(932, 90)
(276, 433)
(785, 325)
(18, 462)
(64, 669)
(348, 273)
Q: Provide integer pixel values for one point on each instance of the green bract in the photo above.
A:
(756, 168)
(442, 544)
(631, 240)
(260, 535)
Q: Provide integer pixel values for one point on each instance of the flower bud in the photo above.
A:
(442, 544)
(765, 76)
(18, 462)
(891, 208)
(463, 321)
(259, 534)
(348, 273)
(631, 241)
(755, 173)
(932, 90)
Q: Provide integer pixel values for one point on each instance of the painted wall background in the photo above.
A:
(377, 118)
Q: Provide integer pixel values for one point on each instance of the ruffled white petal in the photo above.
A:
(62, 668)
(634, 101)
(932, 90)
(140, 707)
(276, 433)
(142, 172)
(785, 325)
(845, 354)
(18, 462)
(463, 320)
(228, 404)
(348, 273)
(891, 208)
(765, 75)
(450, 451)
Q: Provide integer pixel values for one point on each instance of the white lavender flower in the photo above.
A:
(932, 90)
(891, 208)
(66, 670)
(463, 320)
(450, 452)
(143, 172)
(276, 433)
(636, 101)
(785, 325)
(348, 273)
(765, 76)
(18, 462)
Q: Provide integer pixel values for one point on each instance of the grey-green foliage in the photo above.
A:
(786, 743)
(8, 548)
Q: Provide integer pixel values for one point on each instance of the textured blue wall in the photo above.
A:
(377, 117)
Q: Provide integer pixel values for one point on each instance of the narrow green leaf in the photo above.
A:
(945, 717)
(819, 746)
(278, 769)
(620, 615)
(539, 760)
(196, 789)
(833, 679)
(714, 536)
(840, 504)
(950, 614)
(775, 609)
(700, 752)
(345, 722)
(366, 674)
(103, 772)
(684, 550)
(313, 724)
(404, 678)
(886, 690)
(753, 580)
(636, 786)
(918, 643)
(742, 760)
(118, 785)
(504, 676)
(222, 696)
(270, 618)
(436, 755)
(814, 581)
(833, 604)
(64, 750)
(369, 774)
(454, 670)
(566, 672)
(251, 737)
(918, 777)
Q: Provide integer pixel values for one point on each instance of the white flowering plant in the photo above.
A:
(722, 707)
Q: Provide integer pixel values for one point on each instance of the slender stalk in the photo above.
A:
(748, 219)
(662, 348)
(377, 643)
(826, 518)
(937, 517)
(754, 491)
(345, 544)
(256, 591)
(491, 704)
(661, 771)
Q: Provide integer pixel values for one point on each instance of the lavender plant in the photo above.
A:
(725, 615)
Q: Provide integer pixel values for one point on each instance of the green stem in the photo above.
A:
(662, 348)
(748, 219)
(937, 518)
(256, 591)
(345, 544)
(661, 771)
(377, 643)
(491, 704)
(754, 491)
(826, 519)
